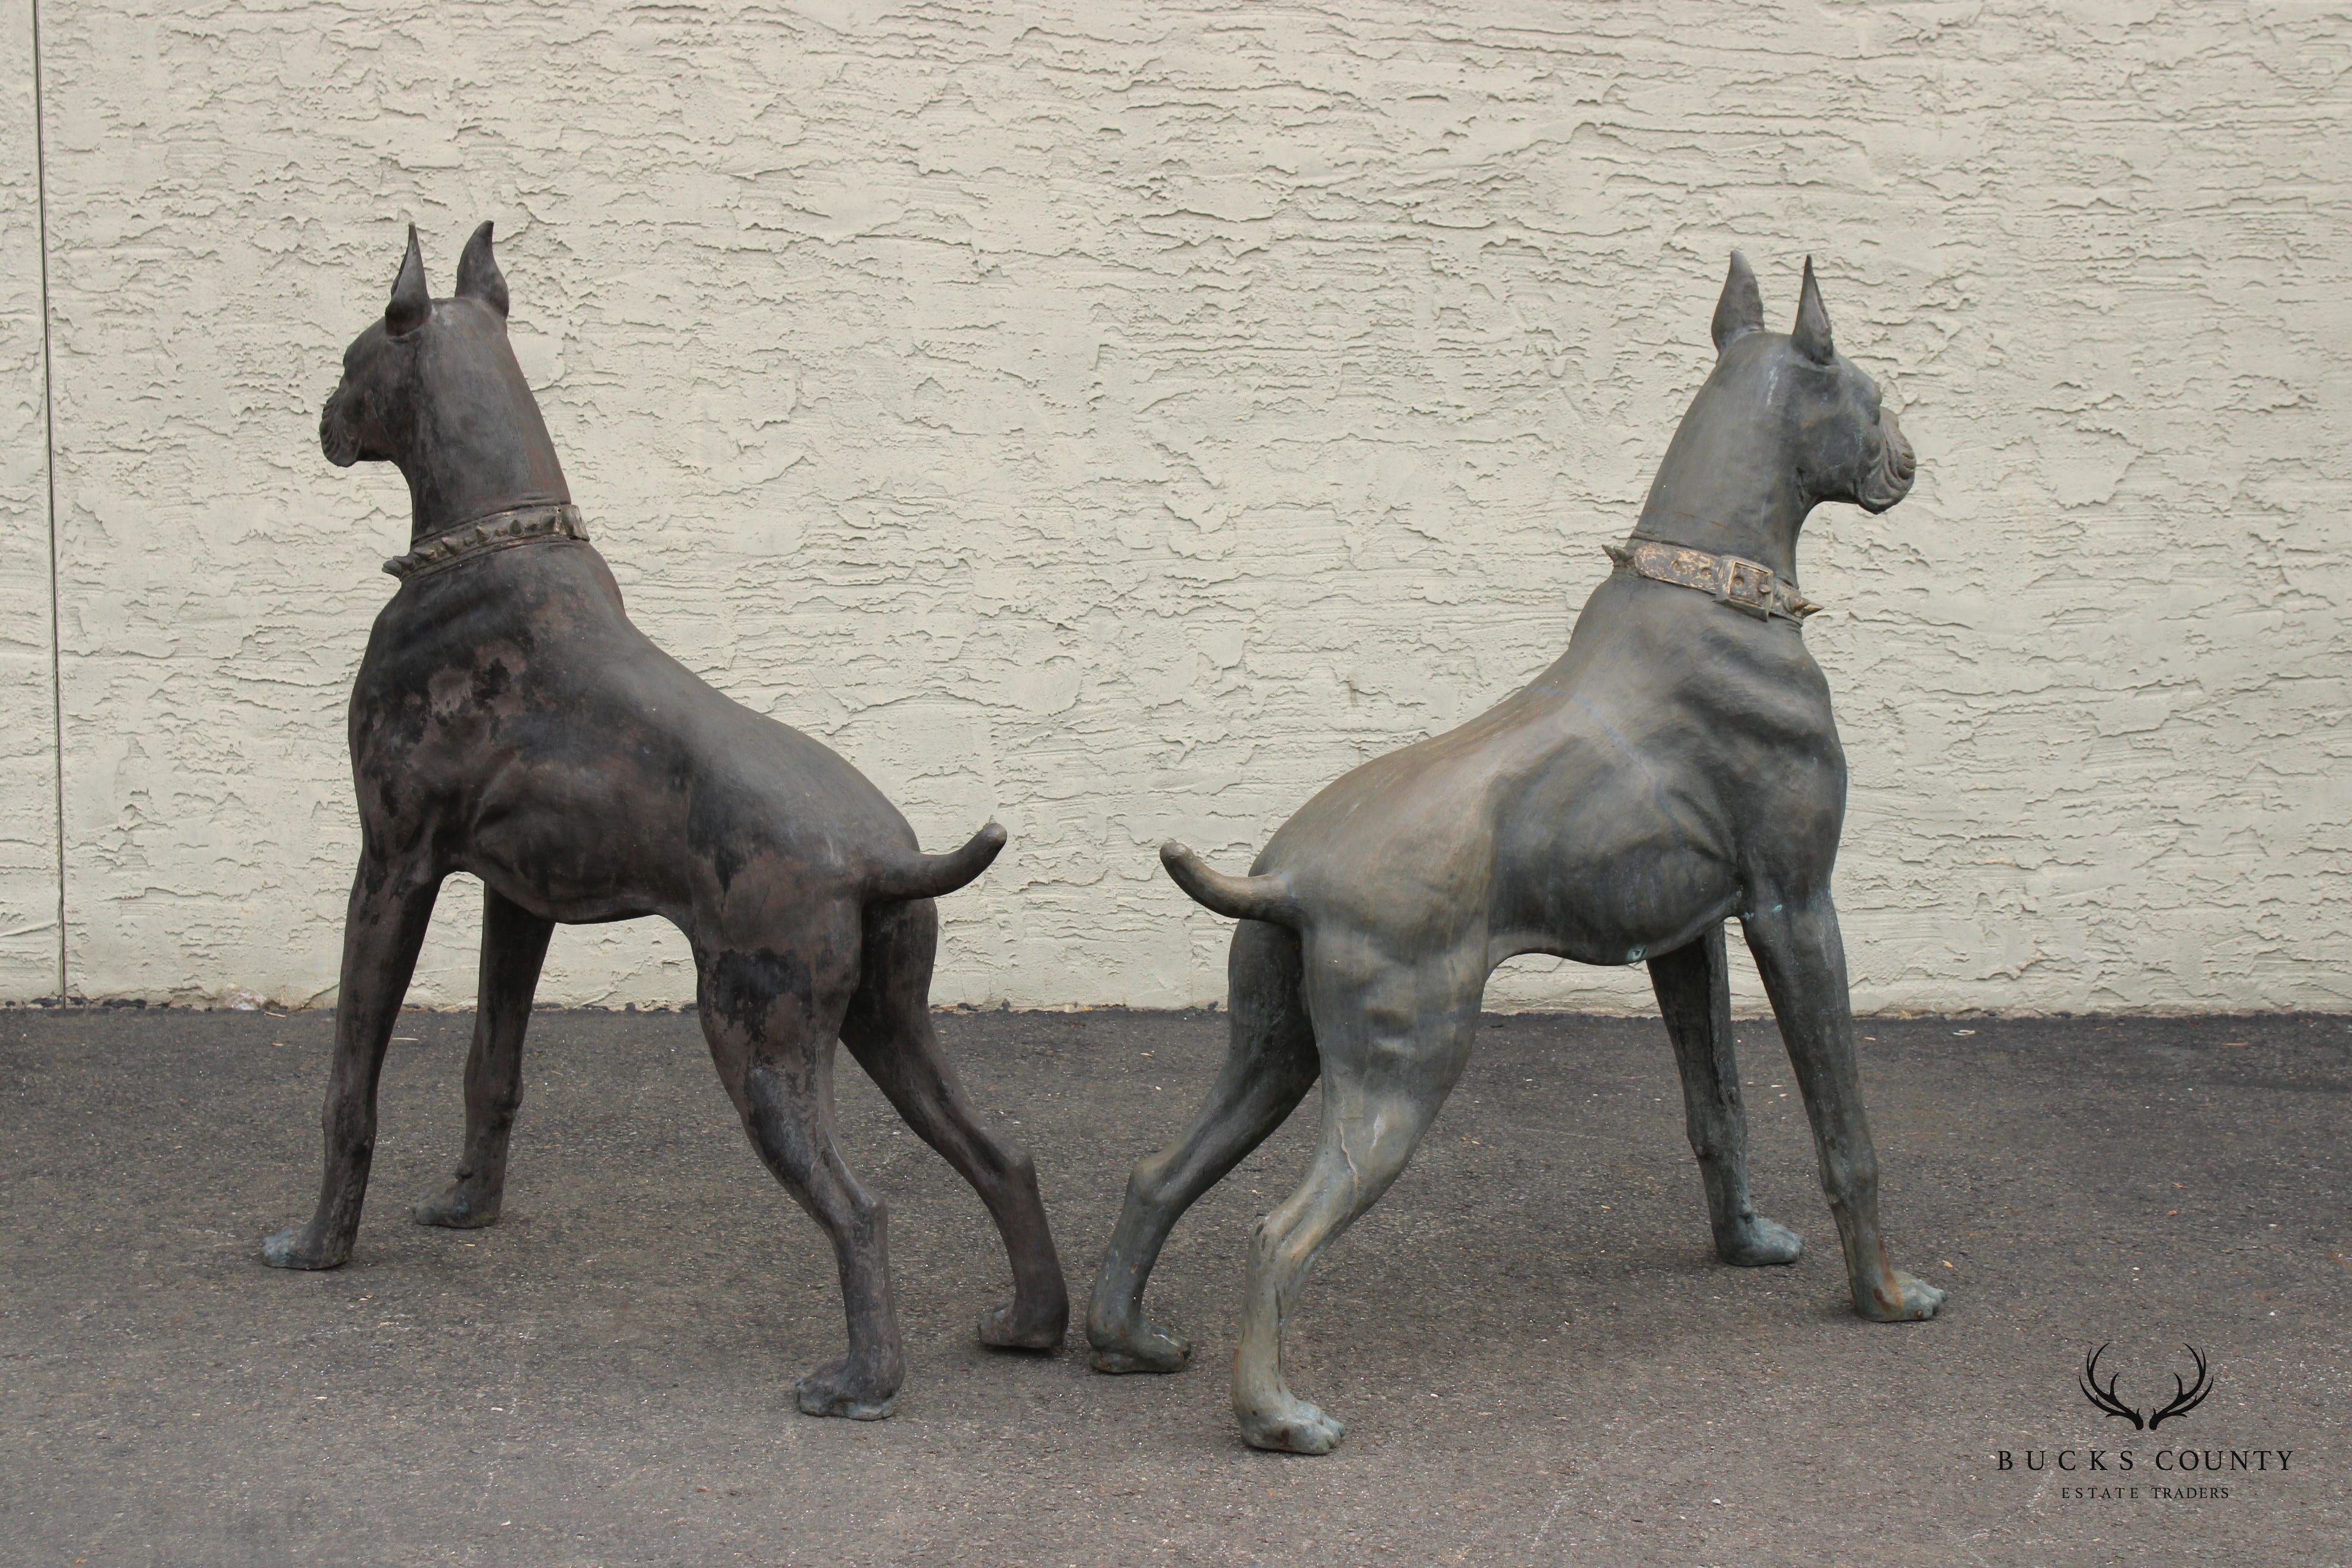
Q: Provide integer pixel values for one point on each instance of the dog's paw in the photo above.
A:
(1147, 1347)
(1011, 1328)
(1759, 1244)
(842, 1389)
(297, 1247)
(1291, 1427)
(457, 1209)
(1901, 1299)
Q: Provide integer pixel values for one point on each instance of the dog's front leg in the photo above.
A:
(514, 946)
(1693, 987)
(1802, 958)
(390, 908)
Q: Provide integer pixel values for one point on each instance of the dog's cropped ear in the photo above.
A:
(1741, 310)
(1812, 335)
(479, 277)
(410, 301)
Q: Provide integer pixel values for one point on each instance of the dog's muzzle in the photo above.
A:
(337, 439)
(1890, 477)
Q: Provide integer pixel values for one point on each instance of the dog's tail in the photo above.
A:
(908, 874)
(1266, 898)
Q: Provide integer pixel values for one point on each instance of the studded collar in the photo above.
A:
(1745, 585)
(498, 530)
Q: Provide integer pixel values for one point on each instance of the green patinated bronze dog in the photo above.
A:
(1678, 766)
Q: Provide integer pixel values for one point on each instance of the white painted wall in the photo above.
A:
(1122, 419)
(28, 730)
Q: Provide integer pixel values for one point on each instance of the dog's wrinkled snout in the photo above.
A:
(337, 437)
(1897, 466)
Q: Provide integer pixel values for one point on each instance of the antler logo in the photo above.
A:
(2185, 1397)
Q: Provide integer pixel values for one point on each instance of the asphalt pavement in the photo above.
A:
(1535, 1354)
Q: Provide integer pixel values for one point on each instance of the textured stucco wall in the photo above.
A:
(1122, 419)
(28, 731)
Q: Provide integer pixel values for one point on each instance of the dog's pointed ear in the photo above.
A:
(1741, 310)
(410, 301)
(1812, 335)
(479, 277)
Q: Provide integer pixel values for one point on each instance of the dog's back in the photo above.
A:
(512, 709)
(1601, 809)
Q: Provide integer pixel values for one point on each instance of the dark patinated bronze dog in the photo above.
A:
(510, 721)
(1678, 766)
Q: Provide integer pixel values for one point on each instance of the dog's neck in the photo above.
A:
(479, 447)
(1728, 486)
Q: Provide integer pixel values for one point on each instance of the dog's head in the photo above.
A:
(1822, 415)
(423, 351)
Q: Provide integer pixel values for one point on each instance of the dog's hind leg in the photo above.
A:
(888, 1030)
(1802, 960)
(390, 908)
(1393, 1036)
(514, 945)
(1694, 988)
(772, 1014)
(1269, 1066)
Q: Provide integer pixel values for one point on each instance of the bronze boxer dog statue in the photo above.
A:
(1678, 765)
(510, 721)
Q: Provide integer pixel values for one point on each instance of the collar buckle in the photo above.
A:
(1747, 585)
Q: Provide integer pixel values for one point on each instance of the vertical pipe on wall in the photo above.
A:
(49, 475)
